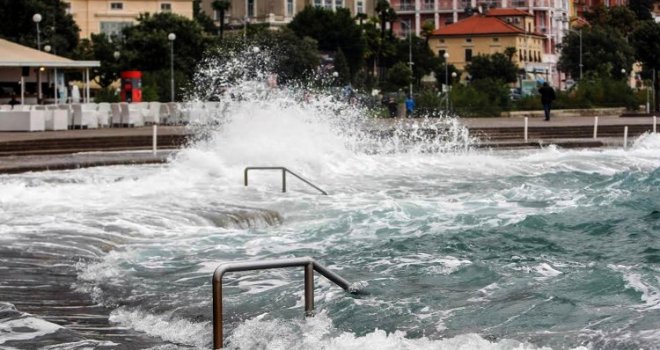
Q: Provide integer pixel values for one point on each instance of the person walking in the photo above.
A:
(547, 96)
(410, 107)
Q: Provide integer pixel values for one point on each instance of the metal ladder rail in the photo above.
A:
(284, 171)
(308, 263)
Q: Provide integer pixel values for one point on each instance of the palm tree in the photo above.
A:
(510, 52)
(220, 6)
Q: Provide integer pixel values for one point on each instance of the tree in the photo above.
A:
(221, 6)
(294, 58)
(510, 52)
(604, 50)
(148, 39)
(341, 67)
(399, 76)
(495, 67)
(101, 48)
(427, 31)
(424, 61)
(333, 31)
(618, 17)
(202, 18)
(443, 75)
(58, 29)
(641, 8)
(646, 41)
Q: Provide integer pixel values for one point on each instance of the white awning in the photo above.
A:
(16, 55)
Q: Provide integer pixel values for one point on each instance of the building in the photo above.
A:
(111, 16)
(485, 34)
(279, 12)
(582, 6)
(35, 75)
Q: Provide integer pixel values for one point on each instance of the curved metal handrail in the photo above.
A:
(284, 171)
(308, 263)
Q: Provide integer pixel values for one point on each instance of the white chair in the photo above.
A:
(131, 115)
(84, 118)
(174, 113)
(104, 114)
(151, 115)
(115, 110)
(5, 108)
(69, 114)
(56, 119)
(22, 120)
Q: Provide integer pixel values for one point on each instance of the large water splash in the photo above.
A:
(313, 127)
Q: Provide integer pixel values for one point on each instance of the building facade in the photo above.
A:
(488, 34)
(111, 16)
(280, 12)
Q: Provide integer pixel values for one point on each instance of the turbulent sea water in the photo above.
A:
(455, 248)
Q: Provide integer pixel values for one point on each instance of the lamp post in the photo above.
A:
(446, 57)
(410, 61)
(47, 48)
(453, 80)
(623, 73)
(171, 37)
(37, 19)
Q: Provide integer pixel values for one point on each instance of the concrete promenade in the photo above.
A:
(71, 149)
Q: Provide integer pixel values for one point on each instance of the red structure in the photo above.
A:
(131, 86)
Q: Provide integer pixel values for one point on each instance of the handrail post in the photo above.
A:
(283, 179)
(309, 289)
(217, 314)
(245, 176)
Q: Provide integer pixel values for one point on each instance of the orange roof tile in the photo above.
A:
(479, 25)
(507, 12)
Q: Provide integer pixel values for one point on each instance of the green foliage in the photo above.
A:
(202, 18)
(16, 25)
(641, 8)
(494, 67)
(295, 59)
(156, 85)
(424, 61)
(333, 30)
(619, 18)
(398, 77)
(106, 94)
(341, 67)
(646, 40)
(428, 103)
(593, 92)
(221, 6)
(102, 49)
(442, 76)
(482, 98)
(604, 50)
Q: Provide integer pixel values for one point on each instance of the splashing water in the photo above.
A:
(455, 248)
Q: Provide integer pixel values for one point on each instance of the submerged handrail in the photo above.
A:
(284, 171)
(308, 263)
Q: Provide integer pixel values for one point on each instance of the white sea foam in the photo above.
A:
(168, 326)
(650, 294)
(318, 333)
(18, 326)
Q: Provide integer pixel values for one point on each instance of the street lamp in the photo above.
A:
(36, 19)
(446, 57)
(171, 37)
(116, 55)
(410, 61)
(623, 73)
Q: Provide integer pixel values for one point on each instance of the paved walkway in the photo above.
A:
(105, 132)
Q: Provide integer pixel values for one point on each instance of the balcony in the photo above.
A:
(518, 3)
(404, 7)
(428, 6)
(543, 3)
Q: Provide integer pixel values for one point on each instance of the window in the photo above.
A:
(318, 3)
(339, 3)
(468, 55)
(116, 5)
(114, 28)
(496, 39)
(251, 8)
(289, 8)
(468, 40)
(360, 6)
(166, 7)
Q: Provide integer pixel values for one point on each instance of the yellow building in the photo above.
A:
(488, 34)
(111, 16)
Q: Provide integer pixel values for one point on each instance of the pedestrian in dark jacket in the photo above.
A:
(547, 96)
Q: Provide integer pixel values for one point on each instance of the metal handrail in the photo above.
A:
(284, 171)
(308, 263)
